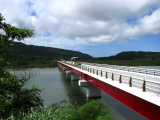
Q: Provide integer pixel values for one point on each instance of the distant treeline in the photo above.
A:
(135, 62)
(22, 55)
(133, 55)
(25, 61)
(131, 59)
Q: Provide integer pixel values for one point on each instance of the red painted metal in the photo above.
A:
(143, 107)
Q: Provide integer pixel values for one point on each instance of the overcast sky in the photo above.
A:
(96, 27)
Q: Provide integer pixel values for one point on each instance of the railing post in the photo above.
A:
(120, 78)
(130, 82)
(97, 71)
(101, 73)
(112, 76)
(106, 75)
(144, 86)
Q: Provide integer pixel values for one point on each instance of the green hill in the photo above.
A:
(131, 58)
(131, 55)
(31, 50)
(22, 55)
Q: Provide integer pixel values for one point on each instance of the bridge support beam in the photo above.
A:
(91, 91)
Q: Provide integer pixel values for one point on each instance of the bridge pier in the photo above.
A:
(72, 75)
(60, 66)
(91, 91)
(63, 68)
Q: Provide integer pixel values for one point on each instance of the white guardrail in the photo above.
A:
(154, 72)
(141, 83)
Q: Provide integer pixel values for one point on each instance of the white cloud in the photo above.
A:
(81, 22)
(151, 23)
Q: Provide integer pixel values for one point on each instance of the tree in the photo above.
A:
(13, 97)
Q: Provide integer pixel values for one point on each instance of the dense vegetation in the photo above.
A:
(133, 55)
(132, 58)
(13, 97)
(94, 110)
(26, 61)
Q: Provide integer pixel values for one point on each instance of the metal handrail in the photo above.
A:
(132, 81)
(154, 72)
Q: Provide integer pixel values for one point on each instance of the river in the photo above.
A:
(57, 86)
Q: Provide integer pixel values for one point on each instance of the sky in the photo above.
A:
(96, 27)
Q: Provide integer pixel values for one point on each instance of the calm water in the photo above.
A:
(56, 86)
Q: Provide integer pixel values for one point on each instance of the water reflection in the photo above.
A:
(75, 93)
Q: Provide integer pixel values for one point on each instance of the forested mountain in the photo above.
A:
(131, 58)
(133, 55)
(31, 50)
(38, 56)
(22, 55)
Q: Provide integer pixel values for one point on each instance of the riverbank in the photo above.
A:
(32, 64)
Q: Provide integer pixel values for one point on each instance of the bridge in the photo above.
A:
(138, 88)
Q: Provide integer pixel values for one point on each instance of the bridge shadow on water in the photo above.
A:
(75, 93)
